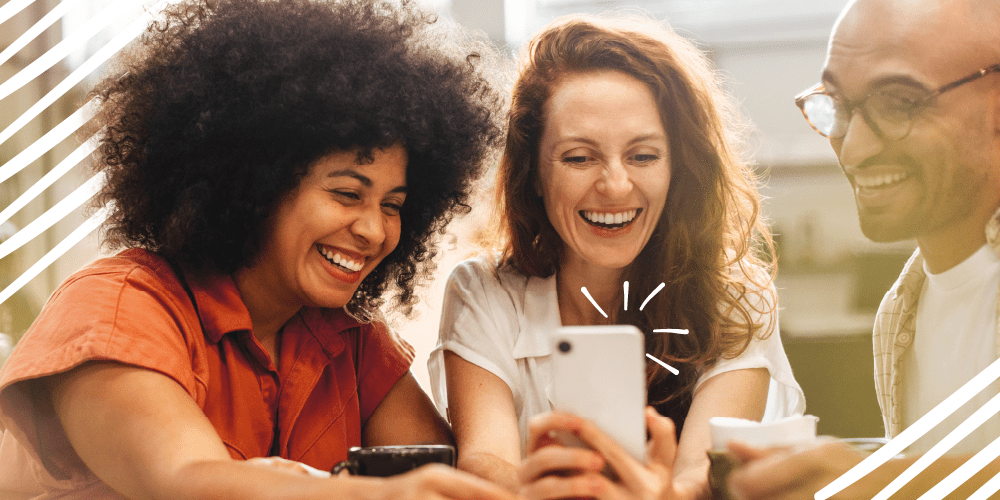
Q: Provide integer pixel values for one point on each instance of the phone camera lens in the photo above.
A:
(565, 346)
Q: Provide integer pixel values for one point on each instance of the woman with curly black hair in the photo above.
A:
(274, 169)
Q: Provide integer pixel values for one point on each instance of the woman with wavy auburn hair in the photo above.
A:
(619, 165)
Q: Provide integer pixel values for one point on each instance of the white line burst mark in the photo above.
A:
(592, 301)
(651, 295)
(626, 294)
(681, 331)
(669, 368)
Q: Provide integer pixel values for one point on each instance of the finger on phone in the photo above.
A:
(559, 460)
(621, 462)
(590, 485)
(663, 446)
(542, 428)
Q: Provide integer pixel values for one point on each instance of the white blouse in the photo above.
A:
(500, 321)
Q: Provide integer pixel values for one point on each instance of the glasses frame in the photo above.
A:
(859, 104)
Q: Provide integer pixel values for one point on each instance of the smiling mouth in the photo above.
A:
(879, 181)
(343, 263)
(610, 220)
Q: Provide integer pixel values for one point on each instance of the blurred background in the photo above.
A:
(830, 279)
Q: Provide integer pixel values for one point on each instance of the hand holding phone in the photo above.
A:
(599, 374)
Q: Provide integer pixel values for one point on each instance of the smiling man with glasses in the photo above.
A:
(910, 101)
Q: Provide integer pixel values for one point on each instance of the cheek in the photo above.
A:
(393, 231)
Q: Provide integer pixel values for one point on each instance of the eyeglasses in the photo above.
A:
(889, 114)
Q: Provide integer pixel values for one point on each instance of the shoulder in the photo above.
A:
(484, 275)
(753, 285)
(133, 268)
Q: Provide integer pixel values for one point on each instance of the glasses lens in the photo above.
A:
(824, 114)
(893, 113)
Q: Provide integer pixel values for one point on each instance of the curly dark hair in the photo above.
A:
(219, 109)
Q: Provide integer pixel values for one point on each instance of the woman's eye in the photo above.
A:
(350, 195)
(645, 158)
(575, 159)
(392, 208)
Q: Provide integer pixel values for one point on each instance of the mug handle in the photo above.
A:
(351, 465)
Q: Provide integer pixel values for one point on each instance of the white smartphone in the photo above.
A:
(599, 374)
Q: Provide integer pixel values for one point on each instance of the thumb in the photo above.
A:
(663, 445)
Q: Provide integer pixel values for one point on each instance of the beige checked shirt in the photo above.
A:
(895, 325)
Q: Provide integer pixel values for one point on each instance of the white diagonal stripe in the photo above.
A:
(986, 491)
(49, 140)
(52, 215)
(11, 8)
(122, 39)
(45, 61)
(962, 474)
(964, 429)
(57, 12)
(78, 234)
(64, 166)
(913, 432)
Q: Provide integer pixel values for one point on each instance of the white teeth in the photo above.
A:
(341, 261)
(874, 181)
(610, 218)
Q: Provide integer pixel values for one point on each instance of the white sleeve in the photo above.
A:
(784, 396)
(479, 322)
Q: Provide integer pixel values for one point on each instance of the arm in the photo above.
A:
(481, 409)
(787, 474)
(406, 416)
(141, 433)
(738, 393)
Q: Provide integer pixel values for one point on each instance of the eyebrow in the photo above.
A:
(365, 181)
(904, 80)
(641, 138)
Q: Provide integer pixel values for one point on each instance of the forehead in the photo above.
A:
(585, 103)
(929, 42)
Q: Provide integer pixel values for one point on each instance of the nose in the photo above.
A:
(615, 181)
(369, 226)
(859, 143)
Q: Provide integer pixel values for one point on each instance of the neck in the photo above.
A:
(268, 313)
(949, 246)
(574, 307)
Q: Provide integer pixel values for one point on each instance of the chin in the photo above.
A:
(881, 231)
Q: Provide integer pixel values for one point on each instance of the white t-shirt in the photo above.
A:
(954, 341)
(500, 321)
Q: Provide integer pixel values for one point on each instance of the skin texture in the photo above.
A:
(950, 156)
(603, 149)
(141, 433)
(950, 162)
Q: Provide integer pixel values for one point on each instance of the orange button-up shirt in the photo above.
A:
(331, 374)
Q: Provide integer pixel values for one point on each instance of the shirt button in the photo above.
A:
(904, 338)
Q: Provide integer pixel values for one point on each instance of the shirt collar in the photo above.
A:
(911, 280)
(220, 305)
(541, 317)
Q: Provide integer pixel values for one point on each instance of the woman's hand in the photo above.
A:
(553, 471)
(283, 464)
(436, 481)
